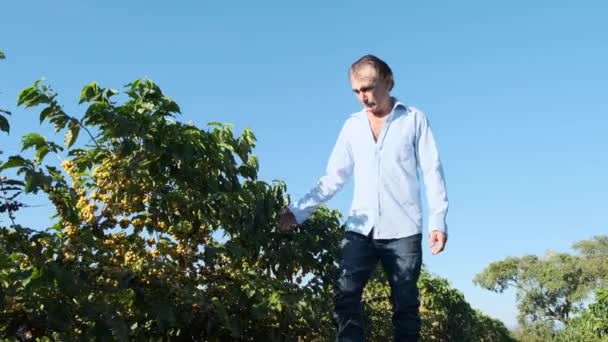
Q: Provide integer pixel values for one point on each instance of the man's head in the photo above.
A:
(372, 80)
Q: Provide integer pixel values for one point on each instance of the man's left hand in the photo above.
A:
(437, 241)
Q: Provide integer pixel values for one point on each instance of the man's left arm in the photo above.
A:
(430, 164)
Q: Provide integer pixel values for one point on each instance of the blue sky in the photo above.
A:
(513, 91)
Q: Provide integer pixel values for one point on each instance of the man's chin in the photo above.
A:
(373, 110)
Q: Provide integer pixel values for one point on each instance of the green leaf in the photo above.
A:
(2, 56)
(89, 92)
(13, 182)
(226, 146)
(60, 119)
(72, 133)
(32, 139)
(36, 180)
(13, 161)
(26, 94)
(4, 126)
(32, 96)
(275, 301)
(250, 292)
(171, 106)
(46, 112)
(107, 94)
(36, 273)
(41, 153)
(42, 146)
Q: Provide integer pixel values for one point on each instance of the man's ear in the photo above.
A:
(390, 81)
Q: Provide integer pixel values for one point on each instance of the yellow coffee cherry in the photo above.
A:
(68, 166)
(95, 196)
(71, 229)
(138, 223)
(155, 253)
(68, 256)
(181, 249)
(129, 256)
(79, 190)
(82, 202)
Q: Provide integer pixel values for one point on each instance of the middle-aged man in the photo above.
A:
(383, 145)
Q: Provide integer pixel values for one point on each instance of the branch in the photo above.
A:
(6, 201)
(89, 133)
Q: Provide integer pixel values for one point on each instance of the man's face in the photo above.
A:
(372, 91)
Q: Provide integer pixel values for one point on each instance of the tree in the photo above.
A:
(549, 288)
(593, 255)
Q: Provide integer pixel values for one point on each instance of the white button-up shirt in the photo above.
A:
(386, 189)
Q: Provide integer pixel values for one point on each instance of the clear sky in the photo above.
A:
(514, 90)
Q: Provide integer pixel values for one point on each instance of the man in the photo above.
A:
(383, 146)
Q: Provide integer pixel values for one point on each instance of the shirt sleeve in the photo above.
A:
(432, 173)
(338, 171)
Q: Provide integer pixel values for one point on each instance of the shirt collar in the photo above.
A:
(398, 106)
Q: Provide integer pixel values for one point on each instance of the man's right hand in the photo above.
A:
(287, 221)
(437, 241)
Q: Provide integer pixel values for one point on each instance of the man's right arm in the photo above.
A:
(434, 183)
(338, 171)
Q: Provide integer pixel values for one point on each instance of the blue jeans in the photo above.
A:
(401, 260)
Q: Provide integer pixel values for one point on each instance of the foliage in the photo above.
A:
(445, 314)
(535, 332)
(591, 325)
(163, 231)
(134, 252)
(593, 254)
(550, 288)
